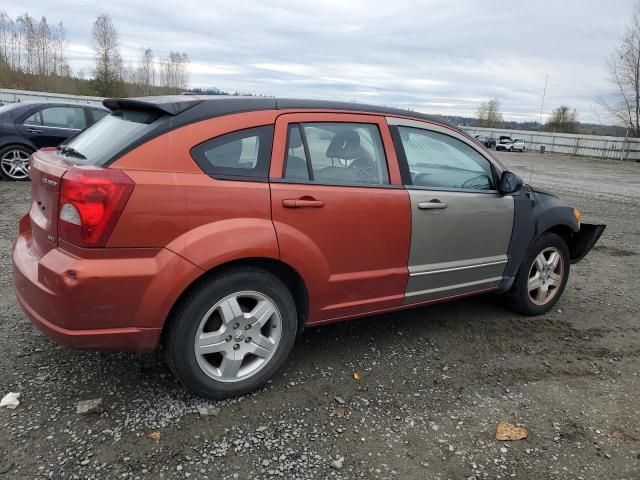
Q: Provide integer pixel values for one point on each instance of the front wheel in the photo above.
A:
(542, 276)
(232, 334)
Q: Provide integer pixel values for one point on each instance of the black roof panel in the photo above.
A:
(288, 103)
(192, 108)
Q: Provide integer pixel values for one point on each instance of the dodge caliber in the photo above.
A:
(218, 228)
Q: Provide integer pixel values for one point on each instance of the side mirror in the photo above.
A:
(510, 183)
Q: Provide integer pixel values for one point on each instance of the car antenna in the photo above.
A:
(544, 94)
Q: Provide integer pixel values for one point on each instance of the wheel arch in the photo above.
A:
(562, 230)
(11, 141)
(287, 274)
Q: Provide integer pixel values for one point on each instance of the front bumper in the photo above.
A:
(117, 301)
(583, 241)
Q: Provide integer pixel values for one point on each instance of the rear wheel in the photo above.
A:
(232, 334)
(542, 276)
(14, 162)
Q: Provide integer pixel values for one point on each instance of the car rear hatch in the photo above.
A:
(75, 197)
(46, 171)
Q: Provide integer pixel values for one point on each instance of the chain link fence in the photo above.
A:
(616, 148)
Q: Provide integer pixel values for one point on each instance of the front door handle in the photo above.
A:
(302, 202)
(434, 204)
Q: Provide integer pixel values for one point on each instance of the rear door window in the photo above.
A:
(336, 153)
(244, 154)
(62, 117)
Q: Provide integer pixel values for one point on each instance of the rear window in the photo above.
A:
(111, 135)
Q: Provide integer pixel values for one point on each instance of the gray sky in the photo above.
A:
(434, 56)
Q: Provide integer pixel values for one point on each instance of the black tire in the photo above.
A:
(519, 298)
(180, 334)
(8, 148)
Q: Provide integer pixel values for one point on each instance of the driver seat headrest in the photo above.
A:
(345, 144)
(295, 140)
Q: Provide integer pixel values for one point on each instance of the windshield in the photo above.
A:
(104, 139)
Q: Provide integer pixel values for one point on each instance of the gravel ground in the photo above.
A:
(434, 382)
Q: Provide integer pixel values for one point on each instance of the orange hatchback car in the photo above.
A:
(219, 227)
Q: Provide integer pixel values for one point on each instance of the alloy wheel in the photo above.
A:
(238, 336)
(545, 276)
(15, 164)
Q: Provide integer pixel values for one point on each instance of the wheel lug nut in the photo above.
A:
(236, 346)
(247, 326)
(229, 338)
(236, 326)
(247, 340)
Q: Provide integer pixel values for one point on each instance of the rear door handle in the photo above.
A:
(302, 202)
(434, 204)
(33, 130)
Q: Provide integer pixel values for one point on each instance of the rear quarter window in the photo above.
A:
(241, 155)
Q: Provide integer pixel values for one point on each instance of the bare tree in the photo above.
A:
(489, 114)
(42, 46)
(27, 38)
(174, 72)
(33, 56)
(146, 72)
(106, 45)
(624, 73)
(562, 120)
(60, 44)
(7, 28)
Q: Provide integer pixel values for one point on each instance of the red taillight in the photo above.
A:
(91, 201)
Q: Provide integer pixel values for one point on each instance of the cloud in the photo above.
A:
(435, 56)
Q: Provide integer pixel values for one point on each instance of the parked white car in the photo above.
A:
(518, 145)
(511, 145)
(504, 144)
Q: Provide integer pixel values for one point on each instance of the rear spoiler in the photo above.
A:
(169, 105)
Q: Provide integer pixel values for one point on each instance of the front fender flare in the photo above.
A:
(557, 216)
(535, 213)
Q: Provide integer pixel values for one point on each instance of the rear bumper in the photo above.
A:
(117, 300)
(121, 339)
(583, 241)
